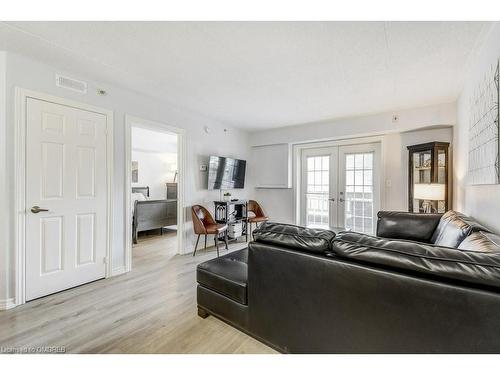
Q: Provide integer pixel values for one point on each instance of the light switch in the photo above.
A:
(203, 168)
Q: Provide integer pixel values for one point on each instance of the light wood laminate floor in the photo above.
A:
(152, 309)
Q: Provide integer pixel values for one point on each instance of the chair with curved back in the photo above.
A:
(259, 216)
(204, 224)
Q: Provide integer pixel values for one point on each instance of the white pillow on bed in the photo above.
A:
(138, 197)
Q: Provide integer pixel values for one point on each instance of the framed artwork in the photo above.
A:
(135, 171)
(483, 167)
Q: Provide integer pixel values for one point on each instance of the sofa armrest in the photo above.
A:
(407, 225)
(444, 262)
(294, 237)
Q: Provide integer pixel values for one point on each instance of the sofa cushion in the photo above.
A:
(482, 242)
(294, 237)
(471, 266)
(407, 225)
(453, 228)
(226, 275)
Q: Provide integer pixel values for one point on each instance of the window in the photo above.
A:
(318, 191)
(359, 192)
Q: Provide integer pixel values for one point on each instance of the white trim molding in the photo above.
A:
(131, 121)
(21, 97)
(118, 271)
(6, 304)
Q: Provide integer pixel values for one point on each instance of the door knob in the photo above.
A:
(36, 209)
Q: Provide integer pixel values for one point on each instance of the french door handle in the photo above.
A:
(36, 209)
(331, 199)
(341, 200)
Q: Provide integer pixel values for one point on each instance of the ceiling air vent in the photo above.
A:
(71, 84)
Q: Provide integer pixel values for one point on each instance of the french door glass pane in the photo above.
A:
(317, 191)
(359, 192)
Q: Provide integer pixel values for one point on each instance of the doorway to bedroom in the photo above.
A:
(153, 180)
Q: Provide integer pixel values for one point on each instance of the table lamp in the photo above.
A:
(173, 168)
(429, 193)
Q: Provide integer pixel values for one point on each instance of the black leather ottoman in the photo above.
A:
(222, 288)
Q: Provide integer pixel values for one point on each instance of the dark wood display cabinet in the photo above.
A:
(428, 166)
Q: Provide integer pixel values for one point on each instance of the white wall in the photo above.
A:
(376, 124)
(412, 127)
(155, 171)
(4, 240)
(156, 154)
(33, 75)
(480, 201)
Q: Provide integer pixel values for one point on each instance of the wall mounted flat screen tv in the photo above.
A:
(226, 173)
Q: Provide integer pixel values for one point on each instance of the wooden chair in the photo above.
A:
(204, 223)
(259, 217)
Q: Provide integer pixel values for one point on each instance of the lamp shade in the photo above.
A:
(429, 192)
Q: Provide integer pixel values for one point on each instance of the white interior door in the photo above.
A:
(66, 178)
(359, 187)
(319, 187)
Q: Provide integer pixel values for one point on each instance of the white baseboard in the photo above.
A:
(6, 304)
(118, 271)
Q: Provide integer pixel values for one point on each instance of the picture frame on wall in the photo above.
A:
(484, 144)
(135, 171)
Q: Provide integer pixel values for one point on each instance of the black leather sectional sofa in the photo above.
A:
(425, 284)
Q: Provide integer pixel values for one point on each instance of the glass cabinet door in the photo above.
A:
(441, 177)
(428, 178)
(422, 174)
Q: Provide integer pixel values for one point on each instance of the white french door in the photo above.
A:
(340, 187)
(66, 197)
(319, 187)
(359, 184)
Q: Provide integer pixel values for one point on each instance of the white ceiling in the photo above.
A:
(258, 75)
(153, 141)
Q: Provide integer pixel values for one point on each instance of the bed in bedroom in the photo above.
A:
(151, 214)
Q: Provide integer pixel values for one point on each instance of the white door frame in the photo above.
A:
(21, 98)
(341, 141)
(181, 162)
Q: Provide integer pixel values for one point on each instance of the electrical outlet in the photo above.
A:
(203, 168)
